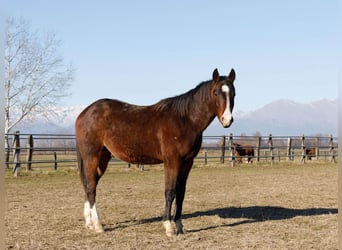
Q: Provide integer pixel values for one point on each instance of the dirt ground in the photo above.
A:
(284, 206)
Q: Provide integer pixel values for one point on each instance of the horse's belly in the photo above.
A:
(134, 154)
(138, 159)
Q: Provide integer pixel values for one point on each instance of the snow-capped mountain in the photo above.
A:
(284, 117)
(61, 122)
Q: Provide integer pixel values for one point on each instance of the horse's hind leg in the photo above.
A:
(103, 163)
(97, 167)
(91, 215)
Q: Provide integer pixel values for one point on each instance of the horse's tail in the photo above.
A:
(80, 166)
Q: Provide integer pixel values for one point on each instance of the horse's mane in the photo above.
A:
(181, 104)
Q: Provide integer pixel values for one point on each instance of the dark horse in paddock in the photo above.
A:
(168, 132)
(243, 150)
(310, 153)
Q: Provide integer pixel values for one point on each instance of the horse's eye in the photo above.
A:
(215, 92)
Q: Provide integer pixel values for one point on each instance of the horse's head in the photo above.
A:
(223, 94)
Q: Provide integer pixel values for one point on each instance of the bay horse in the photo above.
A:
(243, 150)
(169, 131)
(310, 153)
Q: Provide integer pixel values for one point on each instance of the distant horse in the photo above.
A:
(168, 132)
(243, 150)
(310, 152)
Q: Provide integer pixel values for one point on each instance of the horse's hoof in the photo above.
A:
(170, 233)
(99, 228)
(169, 230)
(179, 227)
(89, 226)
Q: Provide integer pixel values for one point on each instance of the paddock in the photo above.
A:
(256, 206)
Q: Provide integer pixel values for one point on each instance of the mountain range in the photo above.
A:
(285, 117)
(282, 117)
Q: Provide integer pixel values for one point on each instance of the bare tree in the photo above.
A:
(36, 77)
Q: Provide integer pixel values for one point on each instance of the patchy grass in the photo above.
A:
(257, 206)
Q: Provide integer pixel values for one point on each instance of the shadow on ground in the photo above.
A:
(251, 214)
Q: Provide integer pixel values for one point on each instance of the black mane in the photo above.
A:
(181, 104)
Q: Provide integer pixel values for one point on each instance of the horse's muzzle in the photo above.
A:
(226, 122)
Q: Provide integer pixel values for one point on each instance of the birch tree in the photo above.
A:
(36, 76)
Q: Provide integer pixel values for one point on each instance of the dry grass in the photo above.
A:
(284, 206)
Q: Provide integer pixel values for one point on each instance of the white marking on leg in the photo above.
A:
(169, 230)
(179, 227)
(87, 215)
(96, 219)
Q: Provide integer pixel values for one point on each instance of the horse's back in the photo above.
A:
(95, 120)
(104, 107)
(105, 112)
(127, 131)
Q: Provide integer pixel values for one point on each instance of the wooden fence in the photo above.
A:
(271, 148)
(52, 150)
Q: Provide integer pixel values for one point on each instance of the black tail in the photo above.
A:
(81, 168)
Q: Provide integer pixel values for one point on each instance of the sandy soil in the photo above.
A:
(285, 206)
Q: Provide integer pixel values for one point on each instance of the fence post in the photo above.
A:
(270, 146)
(289, 149)
(303, 150)
(223, 148)
(205, 157)
(331, 149)
(258, 148)
(232, 149)
(7, 151)
(29, 153)
(265, 156)
(55, 159)
(317, 147)
(16, 153)
(278, 155)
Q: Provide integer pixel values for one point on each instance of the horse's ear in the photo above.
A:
(231, 76)
(216, 75)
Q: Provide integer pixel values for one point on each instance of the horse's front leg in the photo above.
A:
(180, 194)
(171, 174)
(169, 197)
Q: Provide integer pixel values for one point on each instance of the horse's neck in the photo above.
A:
(201, 115)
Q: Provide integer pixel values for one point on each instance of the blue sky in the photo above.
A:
(143, 51)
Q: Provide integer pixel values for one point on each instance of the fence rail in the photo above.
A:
(46, 150)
